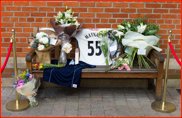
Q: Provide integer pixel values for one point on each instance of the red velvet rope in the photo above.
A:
(175, 56)
(7, 57)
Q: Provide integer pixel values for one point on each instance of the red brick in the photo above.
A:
(2, 8)
(175, 11)
(136, 15)
(30, 19)
(46, 9)
(162, 32)
(87, 15)
(71, 4)
(153, 5)
(22, 34)
(144, 10)
(136, 5)
(27, 29)
(16, 29)
(112, 20)
(160, 21)
(153, 16)
(176, 21)
(179, 5)
(38, 19)
(3, 29)
(169, 1)
(104, 4)
(88, 25)
(22, 14)
(163, 46)
(120, 5)
(8, 40)
(13, 19)
(152, 21)
(177, 46)
(38, 25)
(179, 16)
(120, 20)
(103, 25)
(23, 40)
(60, 9)
(87, 4)
(22, 24)
(111, 9)
(104, 20)
(20, 3)
(95, 9)
(6, 35)
(27, 49)
(29, 8)
(6, 13)
(13, 8)
(6, 3)
(7, 24)
(96, 20)
(6, 19)
(88, 20)
(103, 15)
(38, 3)
(178, 71)
(54, 3)
(169, 5)
(167, 26)
(168, 16)
(177, 36)
(22, 19)
(177, 50)
(80, 20)
(115, 25)
(168, 21)
(120, 15)
(79, 9)
(17, 50)
(38, 14)
(128, 10)
(176, 31)
(177, 1)
(160, 10)
(51, 14)
(3, 49)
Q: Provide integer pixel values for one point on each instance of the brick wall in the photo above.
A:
(23, 16)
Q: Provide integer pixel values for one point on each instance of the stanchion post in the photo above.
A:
(163, 106)
(16, 105)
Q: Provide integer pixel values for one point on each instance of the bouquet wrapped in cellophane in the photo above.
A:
(27, 85)
(42, 66)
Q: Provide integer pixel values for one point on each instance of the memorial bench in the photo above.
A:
(156, 72)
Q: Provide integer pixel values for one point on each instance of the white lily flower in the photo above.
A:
(119, 33)
(121, 27)
(67, 47)
(68, 15)
(141, 28)
(60, 15)
(77, 23)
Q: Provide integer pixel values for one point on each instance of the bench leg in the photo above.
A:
(158, 89)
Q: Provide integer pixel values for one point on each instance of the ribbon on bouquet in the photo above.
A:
(124, 66)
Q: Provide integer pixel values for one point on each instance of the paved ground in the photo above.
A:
(92, 102)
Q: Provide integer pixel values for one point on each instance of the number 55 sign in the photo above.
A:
(95, 48)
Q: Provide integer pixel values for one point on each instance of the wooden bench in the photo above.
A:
(156, 72)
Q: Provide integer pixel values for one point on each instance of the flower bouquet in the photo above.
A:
(65, 26)
(43, 46)
(27, 85)
(42, 66)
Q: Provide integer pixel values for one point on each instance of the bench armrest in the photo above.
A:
(157, 55)
(30, 55)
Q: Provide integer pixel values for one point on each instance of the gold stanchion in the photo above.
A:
(16, 105)
(163, 106)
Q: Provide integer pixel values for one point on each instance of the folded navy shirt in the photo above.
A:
(69, 76)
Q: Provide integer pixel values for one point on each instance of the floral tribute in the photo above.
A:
(27, 85)
(42, 66)
(137, 38)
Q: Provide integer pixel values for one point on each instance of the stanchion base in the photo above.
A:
(23, 105)
(168, 107)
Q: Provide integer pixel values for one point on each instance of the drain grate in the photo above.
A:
(179, 90)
